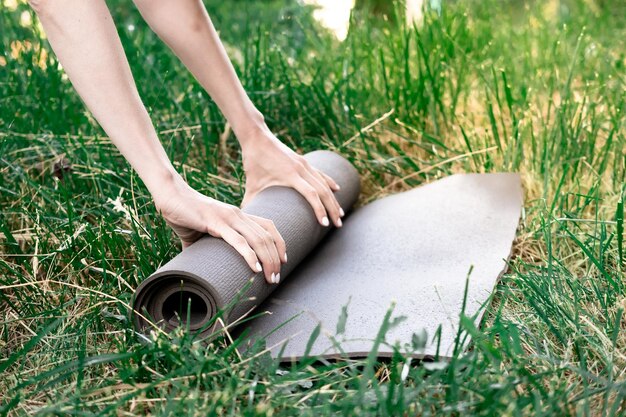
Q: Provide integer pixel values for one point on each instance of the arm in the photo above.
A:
(186, 27)
(86, 43)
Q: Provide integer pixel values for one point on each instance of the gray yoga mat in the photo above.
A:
(213, 275)
(413, 249)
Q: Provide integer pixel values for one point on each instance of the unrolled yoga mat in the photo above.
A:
(414, 249)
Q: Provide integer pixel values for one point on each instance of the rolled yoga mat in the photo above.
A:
(413, 250)
(212, 275)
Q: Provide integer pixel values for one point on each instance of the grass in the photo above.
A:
(485, 86)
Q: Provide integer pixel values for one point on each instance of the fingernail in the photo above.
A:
(285, 256)
(258, 267)
(325, 221)
(341, 212)
(277, 278)
(273, 278)
(339, 222)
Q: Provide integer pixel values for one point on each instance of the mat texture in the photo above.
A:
(412, 250)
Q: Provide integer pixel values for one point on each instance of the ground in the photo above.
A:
(537, 88)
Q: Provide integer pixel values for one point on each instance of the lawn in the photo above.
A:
(485, 86)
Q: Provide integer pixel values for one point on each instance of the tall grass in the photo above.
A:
(486, 86)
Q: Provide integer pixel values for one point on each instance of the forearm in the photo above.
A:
(187, 29)
(85, 41)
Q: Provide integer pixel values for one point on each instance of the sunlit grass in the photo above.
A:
(475, 87)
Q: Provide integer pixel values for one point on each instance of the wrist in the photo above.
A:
(164, 184)
(250, 127)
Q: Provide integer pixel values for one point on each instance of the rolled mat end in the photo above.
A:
(210, 275)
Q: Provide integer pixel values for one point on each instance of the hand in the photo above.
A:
(267, 162)
(191, 214)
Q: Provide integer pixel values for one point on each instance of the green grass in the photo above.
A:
(484, 86)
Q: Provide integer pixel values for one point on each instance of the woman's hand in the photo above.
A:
(191, 214)
(267, 162)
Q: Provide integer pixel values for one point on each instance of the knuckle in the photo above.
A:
(267, 236)
(231, 214)
(300, 167)
(302, 163)
(311, 192)
(258, 241)
(214, 229)
(213, 232)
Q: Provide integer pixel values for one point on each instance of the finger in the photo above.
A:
(278, 239)
(263, 245)
(326, 195)
(331, 182)
(326, 179)
(239, 243)
(312, 197)
(271, 246)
